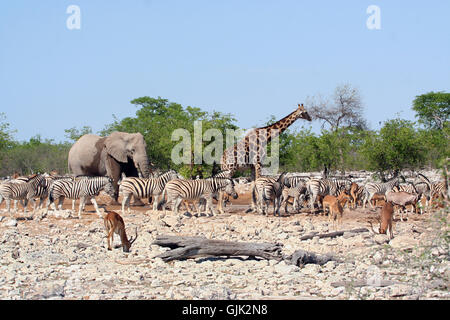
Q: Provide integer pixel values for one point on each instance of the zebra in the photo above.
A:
(409, 187)
(16, 178)
(80, 187)
(25, 191)
(297, 193)
(437, 189)
(178, 190)
(323, 187)
(144, 188)
(371, 188)
(221, 197)
(294, 181)
(266, 190)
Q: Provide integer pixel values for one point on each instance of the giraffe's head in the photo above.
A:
(302, 113)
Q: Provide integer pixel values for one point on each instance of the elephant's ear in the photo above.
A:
(116, 147)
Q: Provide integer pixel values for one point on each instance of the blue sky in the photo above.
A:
(250, 58)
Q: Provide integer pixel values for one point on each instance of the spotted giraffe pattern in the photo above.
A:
(251, 150)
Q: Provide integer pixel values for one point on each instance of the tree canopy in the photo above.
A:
(433, 109)
(343, 144)
(157, 119)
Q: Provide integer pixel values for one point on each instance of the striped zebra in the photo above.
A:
(144, 188)
(371, 188)
(25, 191)
(268, 190)
(16, 178)
(178, 190)
(261, 181)
(324, 187)
(80, 187)
(294, 181)
(436, 189)
(409, 187)
(297, 193)
(42, 189)
(439, 189)
(220, 196)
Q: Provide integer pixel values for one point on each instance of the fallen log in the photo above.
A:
(189, 247)
(192, 247)
(331, 234)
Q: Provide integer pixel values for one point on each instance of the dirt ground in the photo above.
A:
(60, 257)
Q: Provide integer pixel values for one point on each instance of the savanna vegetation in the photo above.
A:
(344, 143)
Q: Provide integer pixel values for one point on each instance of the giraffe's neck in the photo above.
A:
(278, 127)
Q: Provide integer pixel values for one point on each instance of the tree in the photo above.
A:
(74, 134)
(397, 146)
(343, 109)
(433, 109)
(35, 155)
(6, 140)
(157, 118)
(340, 112)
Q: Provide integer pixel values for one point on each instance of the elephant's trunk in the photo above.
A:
(143, 167)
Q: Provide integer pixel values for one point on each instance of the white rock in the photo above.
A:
(403, 242)
(11, 223)
(310, 269)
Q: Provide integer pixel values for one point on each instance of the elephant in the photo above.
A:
(118, 153)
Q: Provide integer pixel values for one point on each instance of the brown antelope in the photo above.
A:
(335, 205)
(114, 224)
(386, 217)
(344, 199)
(356, 193)
(377, 198)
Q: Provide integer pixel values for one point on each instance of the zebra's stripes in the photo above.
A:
(266, 190)
(409, 187)
(178, 190)
(80, 188)
(25, 191)
(323, 187)
(144, 188)
(297, 193)
(436, 189)
(371, 188)
(294, 181)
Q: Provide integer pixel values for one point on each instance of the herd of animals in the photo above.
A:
(327, 195)
(119, 164)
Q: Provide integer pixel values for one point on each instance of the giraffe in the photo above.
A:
(251, 150)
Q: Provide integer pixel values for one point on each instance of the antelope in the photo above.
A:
(356, 192)
(386, 216)
(335, 206)
(114, 224)
(402, 199)
(377, 198)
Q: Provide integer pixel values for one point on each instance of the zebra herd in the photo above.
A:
(27, 189)
(302, 189)
(170, 183)
(170, 187)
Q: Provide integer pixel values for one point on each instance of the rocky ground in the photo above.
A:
(62, 257)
